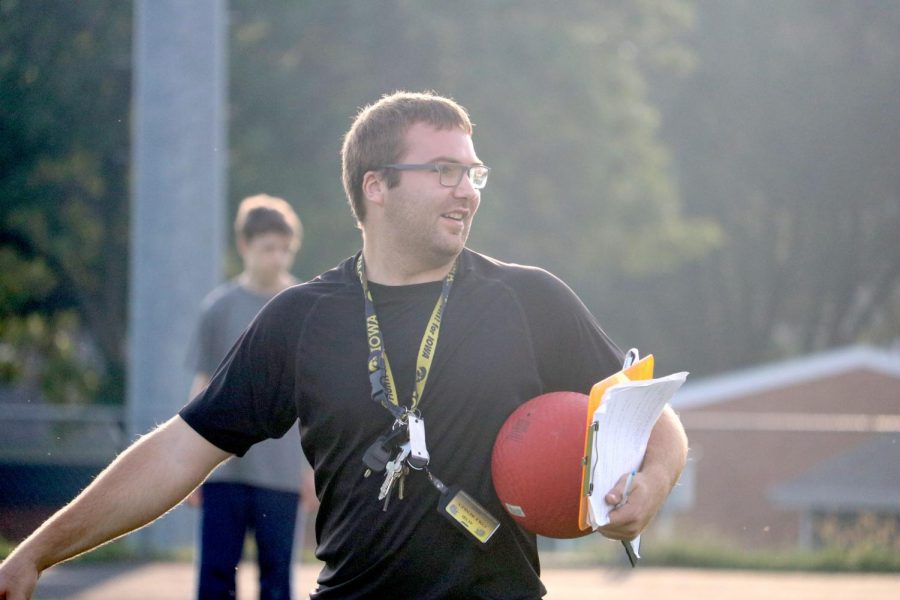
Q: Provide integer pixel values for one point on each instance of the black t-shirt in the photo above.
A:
(509, 333)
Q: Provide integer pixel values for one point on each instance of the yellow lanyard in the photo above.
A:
(380, 375)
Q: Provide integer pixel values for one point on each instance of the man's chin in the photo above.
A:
(444, 254)
(451, 250)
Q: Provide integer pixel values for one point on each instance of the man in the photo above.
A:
(468, 340)
(258, 492)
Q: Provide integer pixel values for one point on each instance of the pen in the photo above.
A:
(627, 491)
(629, 548)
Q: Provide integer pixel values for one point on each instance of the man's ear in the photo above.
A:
(373, 187)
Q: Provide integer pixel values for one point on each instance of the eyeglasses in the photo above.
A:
(451, 174)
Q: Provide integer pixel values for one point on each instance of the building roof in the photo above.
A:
(865, 478)
(754, 380)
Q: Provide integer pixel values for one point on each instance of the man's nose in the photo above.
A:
(465, 189)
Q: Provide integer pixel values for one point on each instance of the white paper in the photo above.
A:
(623, 421)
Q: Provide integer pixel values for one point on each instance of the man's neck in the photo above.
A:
(400, 270)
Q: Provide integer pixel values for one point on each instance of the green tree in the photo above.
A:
(64, 94)
(787, 134)
(581, 181)
(582, 184)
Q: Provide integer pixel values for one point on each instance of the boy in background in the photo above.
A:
(260, 491)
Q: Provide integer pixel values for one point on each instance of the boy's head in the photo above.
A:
(261, 214)
(268, 234)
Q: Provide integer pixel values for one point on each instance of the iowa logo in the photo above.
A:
(373, 365)
(421, 373)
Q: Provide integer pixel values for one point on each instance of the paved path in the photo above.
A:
(175, 581)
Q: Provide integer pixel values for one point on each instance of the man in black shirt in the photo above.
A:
(447, 342)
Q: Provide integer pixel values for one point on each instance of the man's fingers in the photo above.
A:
(619, 493)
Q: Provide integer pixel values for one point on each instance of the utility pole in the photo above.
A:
(179, 159)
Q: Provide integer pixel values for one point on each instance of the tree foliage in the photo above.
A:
(716, 180)
(787, 134)
(64, 94)
(581, 182)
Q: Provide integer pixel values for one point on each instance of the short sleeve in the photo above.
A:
(573, 350)
(250, 396)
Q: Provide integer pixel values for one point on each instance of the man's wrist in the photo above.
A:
(660, 479)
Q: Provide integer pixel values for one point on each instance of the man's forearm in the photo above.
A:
(148, 479)
(667, 450)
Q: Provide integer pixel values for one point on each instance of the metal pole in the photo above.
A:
(179, 156)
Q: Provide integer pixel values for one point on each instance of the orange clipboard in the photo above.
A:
(643, 369)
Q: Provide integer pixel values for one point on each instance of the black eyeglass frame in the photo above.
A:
(442, 169)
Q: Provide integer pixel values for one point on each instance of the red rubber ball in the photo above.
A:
(536, 464)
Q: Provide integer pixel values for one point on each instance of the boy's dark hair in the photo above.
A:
(262, 213)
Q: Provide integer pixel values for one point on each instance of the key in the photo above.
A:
(376, 457)
(402, 455)
(379, 453)
(390, 477)
(394, 471)
(387, 500)
(402, 482)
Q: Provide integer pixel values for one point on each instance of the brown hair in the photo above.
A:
(376, 137)
(262, 213)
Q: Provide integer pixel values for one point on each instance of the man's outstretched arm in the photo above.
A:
(145, 481)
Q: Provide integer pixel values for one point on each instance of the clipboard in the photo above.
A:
(642, 369)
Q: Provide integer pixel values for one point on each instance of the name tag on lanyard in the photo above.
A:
(465, 513)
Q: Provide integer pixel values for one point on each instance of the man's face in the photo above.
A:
(426, 217)
(267, 256)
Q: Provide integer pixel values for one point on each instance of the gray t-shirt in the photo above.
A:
(275, 463)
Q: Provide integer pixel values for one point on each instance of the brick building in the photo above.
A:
(784, 454)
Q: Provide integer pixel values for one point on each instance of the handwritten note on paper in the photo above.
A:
(623, 422)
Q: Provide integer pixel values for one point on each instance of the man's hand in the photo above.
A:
(646, 496)
(150, 477)
(663, 461)
(18, 578)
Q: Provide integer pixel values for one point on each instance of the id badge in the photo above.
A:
(468, 515)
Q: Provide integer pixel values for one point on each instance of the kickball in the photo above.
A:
(536, 464)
